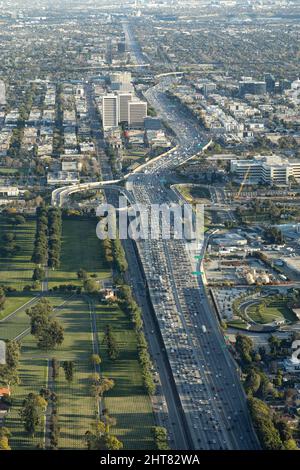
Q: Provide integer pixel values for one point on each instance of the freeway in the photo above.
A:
(168, 410)
(204, 372)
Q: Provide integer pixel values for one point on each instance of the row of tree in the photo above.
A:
(273, 430)
(114, 254)
(54, 233)
(273, 433)
(47, 245)
(2, 298)
(160, 438)
(9, 371)
(40, 250)
(130, 306)
(111, 343)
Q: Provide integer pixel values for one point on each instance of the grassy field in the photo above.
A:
(80, 249)
(16, 323)
(274, 310)
(13, 302)
(127, 402)
(17, 270)
(76, 407)
(193, 194)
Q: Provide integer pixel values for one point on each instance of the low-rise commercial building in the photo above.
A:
(267, 169)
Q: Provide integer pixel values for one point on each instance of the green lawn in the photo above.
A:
(15, 301)
(76, 407)
(127, 402)
(18, 322)
(8, 171)
(17, 270)
(274, 310)
(33, 374)
(80, 249)
(193, 193)
(237, 324)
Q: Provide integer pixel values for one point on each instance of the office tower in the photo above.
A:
(124, 99)
(2, 93)
(270, 83)
(252, 87)
(137, 111)
(109, 52)
(110, 113)
(121, 47)
(284, 84)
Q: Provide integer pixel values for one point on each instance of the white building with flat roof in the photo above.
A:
(267, 169)
(110, 111)
(124, 99)
(9, 191)
(137, 112)
(2, 93)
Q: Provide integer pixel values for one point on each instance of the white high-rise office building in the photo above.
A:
(110, 111)
(137, 111)
(2, 93)
(124, 99)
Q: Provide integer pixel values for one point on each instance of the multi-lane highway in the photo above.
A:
(206, 376)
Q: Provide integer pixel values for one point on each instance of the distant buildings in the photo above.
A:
(267, 169)
(121, 105)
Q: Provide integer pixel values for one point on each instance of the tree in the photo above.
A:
(49, 332)
(51, 335)
(284, 429)
(68, 367)
(32, 411)
(263, 423)
(19, 220)
(161, 437)
(82, 274)
(100, 438)
(2, 298)
(38, 274)
(100, 385)
(95, 359)
(91, 286)
(291, 444)
(9, 371)
(244, 346)
(4, 436)
(111, 343)
(55, 368)
(252, 383)
(39, 316)
(112, 442)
